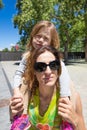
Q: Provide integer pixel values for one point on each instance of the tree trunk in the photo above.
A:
(86, 49)
(66, 47)
(66, 53)
(85, 20)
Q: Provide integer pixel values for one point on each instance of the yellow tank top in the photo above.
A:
(51, 120)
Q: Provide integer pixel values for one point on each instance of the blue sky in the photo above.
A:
(8, 34)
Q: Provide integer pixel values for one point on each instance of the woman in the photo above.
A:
(47, 111)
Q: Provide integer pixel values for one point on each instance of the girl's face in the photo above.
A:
(43, 37)
(48, 76)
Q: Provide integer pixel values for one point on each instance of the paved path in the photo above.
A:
(78, 73)
(4, 100)
(7, 70)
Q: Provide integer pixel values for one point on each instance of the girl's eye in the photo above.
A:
(46, 39)
(37, 36)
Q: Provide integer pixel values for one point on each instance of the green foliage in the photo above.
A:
(69, 16)
(21, 44)
(12, 49)
(30, 12)
(1, 4)
(5, 50)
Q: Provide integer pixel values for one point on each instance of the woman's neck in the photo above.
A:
(45, 95)
(45, 91)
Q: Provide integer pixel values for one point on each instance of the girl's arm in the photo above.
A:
(19, 72)
(64, 81)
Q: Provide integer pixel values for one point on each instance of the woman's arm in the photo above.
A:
(69, 113)
(64, 81)
(80, 119)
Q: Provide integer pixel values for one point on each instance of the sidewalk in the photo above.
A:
(4, 101)
(7, 70)
(78, 73)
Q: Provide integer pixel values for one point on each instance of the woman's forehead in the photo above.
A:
(45, 56)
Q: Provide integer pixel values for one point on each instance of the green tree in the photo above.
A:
(1, 4)
(29, 13)
(67, 15)
(85, 29)
(5, 50)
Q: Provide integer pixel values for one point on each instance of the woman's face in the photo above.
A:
(48, 76)
(43, 37)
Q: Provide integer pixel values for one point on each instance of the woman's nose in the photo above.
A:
(48, 70)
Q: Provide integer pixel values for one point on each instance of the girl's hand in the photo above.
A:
(16, 105)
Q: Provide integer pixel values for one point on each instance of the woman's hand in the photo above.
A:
(67, 110)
